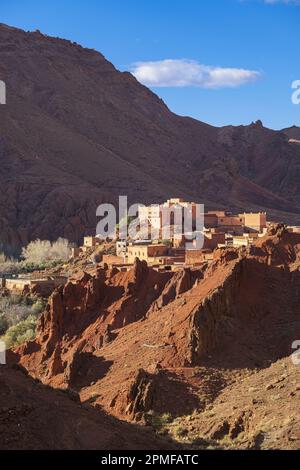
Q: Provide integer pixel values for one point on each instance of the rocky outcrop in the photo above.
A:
(207, 321)
(141, 395)
(240, 318)
(181, 282)
(83, 315)
(279, 248)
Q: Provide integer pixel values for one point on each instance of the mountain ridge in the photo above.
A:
(76, 132)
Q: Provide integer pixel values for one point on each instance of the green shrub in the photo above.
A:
(38, 307)
(7, 265)
(3, 324)
(23, 331)
(15, 309)
(180, 432)
(30, 267)
(14, 312)
(158, 421)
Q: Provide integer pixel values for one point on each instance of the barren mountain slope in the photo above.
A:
(292, 132)
(75, 132)
(258, 412)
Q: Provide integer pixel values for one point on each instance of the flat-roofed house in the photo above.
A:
(91, 242)
(149, 253)
(256, 222)
(121, 246)
(174, 211)
(41, 287)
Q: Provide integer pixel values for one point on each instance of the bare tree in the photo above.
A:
(41, 251)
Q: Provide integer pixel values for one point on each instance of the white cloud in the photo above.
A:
(183, 73)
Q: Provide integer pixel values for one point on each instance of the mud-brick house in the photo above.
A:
(236, 224)
(254, 221)
(91, 242)
(294, 229)
(197, 257)
(39, 287)
(121, 247)
(211, 240)
(146, 252)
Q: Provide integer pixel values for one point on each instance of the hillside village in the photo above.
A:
(176, 250)
(172, 252)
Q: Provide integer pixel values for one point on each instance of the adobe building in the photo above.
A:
(183, 208)
(158, 215)
(152, 216)
(224, 221)
(113, 260)
(146, 252)
(167, 214)
(211, 219)
(91, 242)
(247, 239)
(293, 229)
(254, 222)
(121, 247)
(40, 287)
(221, 229)
(211, 240)
(198, 257)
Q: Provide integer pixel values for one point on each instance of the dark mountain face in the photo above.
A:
(292, 132)
(76, 132)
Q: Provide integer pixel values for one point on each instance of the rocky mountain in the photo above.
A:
(76, 132)
(131, 343)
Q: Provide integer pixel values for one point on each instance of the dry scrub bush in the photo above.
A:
(7, 265)
(43, 251)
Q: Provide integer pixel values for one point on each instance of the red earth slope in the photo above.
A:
(146, 342)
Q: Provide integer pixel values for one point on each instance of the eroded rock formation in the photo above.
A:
(145, 342)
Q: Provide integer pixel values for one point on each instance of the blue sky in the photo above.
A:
(220, 61)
